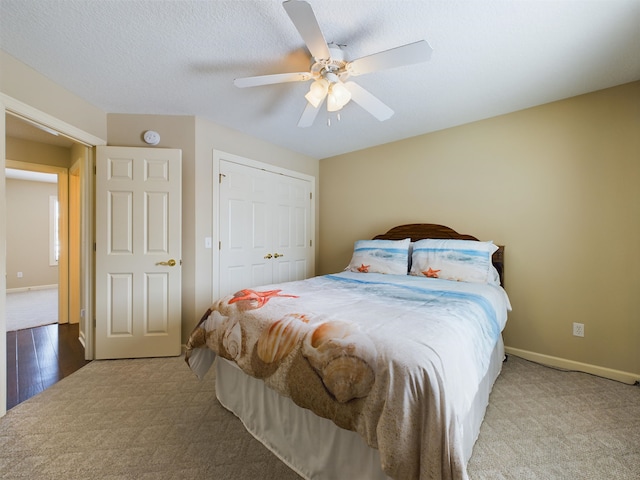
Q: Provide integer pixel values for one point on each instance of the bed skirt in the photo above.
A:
(312, 446)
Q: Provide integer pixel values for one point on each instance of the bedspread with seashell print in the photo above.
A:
(396, 358)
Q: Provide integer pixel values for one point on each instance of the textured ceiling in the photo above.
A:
(180, 58)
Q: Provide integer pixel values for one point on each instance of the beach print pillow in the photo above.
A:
(460, 260)
(380, 256)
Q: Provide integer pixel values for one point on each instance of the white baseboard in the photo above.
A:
(35, 287)
(563, 363)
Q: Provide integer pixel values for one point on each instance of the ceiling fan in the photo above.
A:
(330, 71)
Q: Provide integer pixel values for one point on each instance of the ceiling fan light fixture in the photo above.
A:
(330, 70)
(317, 91)
(338, 97)
(332, 104)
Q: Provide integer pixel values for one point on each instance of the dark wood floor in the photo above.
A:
(39, 357)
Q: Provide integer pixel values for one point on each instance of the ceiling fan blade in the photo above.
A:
(302, 16)
(309, 114)
(367, 101)
(409, 54)
(271, 79)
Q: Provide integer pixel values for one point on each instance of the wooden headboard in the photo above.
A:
(419, 231)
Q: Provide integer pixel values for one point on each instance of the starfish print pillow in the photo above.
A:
(380, 256)
(459, 260)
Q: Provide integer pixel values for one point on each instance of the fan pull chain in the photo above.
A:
(338, 117)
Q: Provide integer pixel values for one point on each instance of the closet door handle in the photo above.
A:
(268, 255)
(278, 255)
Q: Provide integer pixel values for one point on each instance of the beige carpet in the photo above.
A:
(152, 419)
(31, 308)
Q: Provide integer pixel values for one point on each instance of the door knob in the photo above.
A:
(170, 263)
(278, 255)
(268, 255)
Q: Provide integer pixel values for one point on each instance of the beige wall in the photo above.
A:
(28, 240)
(558, 185)
(28, 234)
(39, 153)
(198, 138)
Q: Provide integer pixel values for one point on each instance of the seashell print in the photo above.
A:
(279, 339)
(224, 335)
(197, 339)
(330, 331)
(348, 378)
(301, 316)
(327, 341)
(343, 357)
(221, 306)
(232, 339)
(214, 325)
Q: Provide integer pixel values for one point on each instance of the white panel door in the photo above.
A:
(291, 242)
(264, 225)
(244, 228)
(138, 252)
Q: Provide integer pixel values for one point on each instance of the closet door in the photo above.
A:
(264, 227)
(244, 228)
(291, 243)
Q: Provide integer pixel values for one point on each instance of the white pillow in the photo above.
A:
(460, 260)
(380, 256)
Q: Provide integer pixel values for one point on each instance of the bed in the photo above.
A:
(381, 371)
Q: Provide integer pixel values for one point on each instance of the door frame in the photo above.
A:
(10, 105)
(75, 244)
(218, 156)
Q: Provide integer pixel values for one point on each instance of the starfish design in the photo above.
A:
(364, 268)
(257, 299)
(431, 273)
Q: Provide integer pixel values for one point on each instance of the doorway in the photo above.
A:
(45, 259)
(66, 208)
(32, 236)
(16, 108)
(36, 149)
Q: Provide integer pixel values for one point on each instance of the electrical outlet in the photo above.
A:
(19, 274)
(578, 329)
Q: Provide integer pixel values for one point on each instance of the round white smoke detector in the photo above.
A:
(151, 137)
